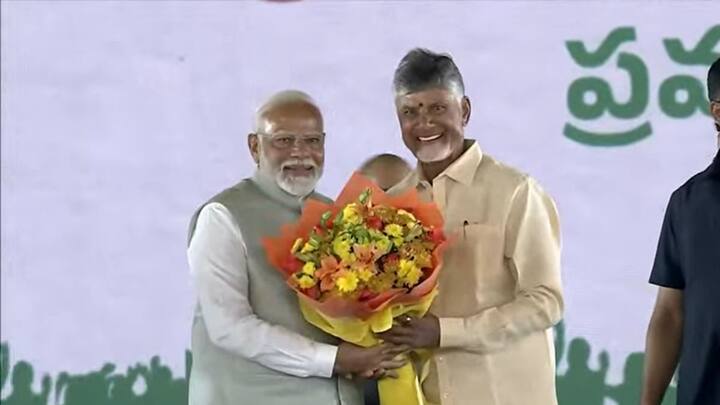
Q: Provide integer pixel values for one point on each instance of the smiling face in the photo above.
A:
(289, 146)
(431, 122)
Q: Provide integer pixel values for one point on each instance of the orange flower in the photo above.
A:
(363, 253)
(327, 283)
(328, 267)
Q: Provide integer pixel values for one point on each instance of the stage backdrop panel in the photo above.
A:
(120, 118)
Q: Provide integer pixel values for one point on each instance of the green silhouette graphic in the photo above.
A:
(628, 392)
(581, 385)
(4, 364)
(580, 380)
(22, 392)
(102, 387)
(153, 383)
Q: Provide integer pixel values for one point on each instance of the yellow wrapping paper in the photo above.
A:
(402, 390)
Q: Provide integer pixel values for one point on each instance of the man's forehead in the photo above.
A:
(423, 97)
(292, 118)
(292, 109)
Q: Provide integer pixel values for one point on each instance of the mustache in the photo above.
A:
(299, 162)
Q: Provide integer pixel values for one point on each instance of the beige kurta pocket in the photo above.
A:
(483, 258)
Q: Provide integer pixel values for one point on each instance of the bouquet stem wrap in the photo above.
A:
(405, 389)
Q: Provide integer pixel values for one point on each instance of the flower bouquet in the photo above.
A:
(361, 261)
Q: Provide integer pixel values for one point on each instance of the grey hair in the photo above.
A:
(281, 98)
(421, 69)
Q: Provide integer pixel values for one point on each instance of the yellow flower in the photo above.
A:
(305, 281)
(383, 244)
(351, 214)
(296, 245)
(423, 259)
(341, 246)
(347, 283)
(413, 277)
(348, 261)
(404, 266)
(394, 230)
(364, 273)
(309, 268)
(408, 272)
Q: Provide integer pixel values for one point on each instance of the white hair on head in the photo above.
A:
(281, 98)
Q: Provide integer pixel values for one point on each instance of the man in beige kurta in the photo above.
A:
(490, 328)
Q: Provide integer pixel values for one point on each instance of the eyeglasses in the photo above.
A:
(287, 141)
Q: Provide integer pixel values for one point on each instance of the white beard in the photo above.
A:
(434, 152)
(297, 186)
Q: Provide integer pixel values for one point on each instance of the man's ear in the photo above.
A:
(715, 112)
(254, 146)
(466, 110)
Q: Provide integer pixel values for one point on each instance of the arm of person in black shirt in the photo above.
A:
(664, 335)
(662, 350)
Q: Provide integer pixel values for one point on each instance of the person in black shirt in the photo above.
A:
(685, 324)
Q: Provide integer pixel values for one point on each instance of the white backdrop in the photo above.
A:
(118, 119)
